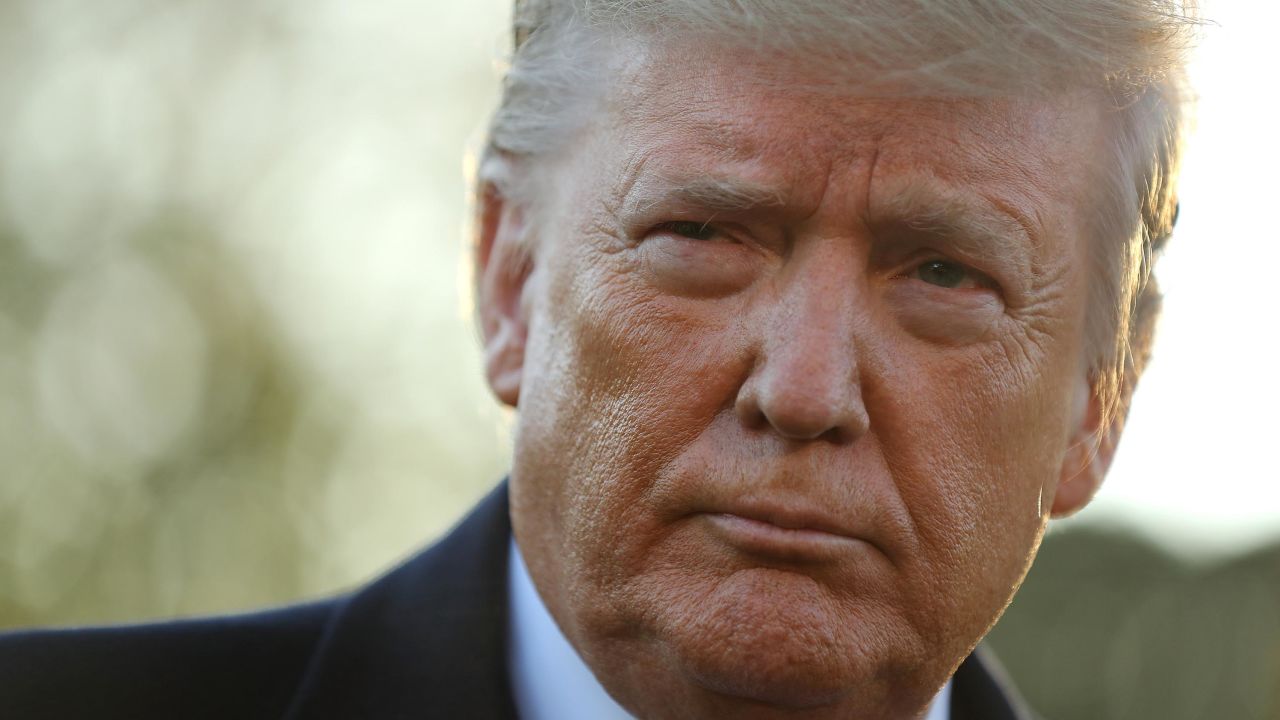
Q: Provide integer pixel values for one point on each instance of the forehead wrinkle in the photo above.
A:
(1033, 232)
(629, 178)
(699, 111)
(726, 140)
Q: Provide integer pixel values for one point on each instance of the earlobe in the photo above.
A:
(504, 365)
(503, 266)
(1088, 456)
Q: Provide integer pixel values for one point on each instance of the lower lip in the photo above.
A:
(794, 544)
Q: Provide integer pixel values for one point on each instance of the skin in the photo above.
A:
(696, 373)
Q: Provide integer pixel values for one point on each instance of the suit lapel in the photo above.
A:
(427, 639)
(982, 692)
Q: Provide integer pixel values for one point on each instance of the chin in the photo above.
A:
(767, 688)
(773, 639)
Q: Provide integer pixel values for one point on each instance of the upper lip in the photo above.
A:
(830, 506)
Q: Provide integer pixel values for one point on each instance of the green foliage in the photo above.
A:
(1108, 625)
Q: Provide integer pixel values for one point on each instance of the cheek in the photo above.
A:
(621, 381)
(971, 439)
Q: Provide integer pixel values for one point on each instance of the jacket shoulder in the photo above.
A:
(982, 691)
(426, 637)
(242, 666)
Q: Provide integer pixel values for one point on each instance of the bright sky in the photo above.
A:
(1197, 466)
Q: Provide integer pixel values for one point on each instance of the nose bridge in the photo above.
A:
(806, 381)
(813, 324)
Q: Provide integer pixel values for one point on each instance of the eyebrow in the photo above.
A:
(704, 192)
(972, 222)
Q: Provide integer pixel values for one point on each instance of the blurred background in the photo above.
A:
(237, 365)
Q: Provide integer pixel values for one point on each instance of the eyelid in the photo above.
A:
(703, 226)
(915, 261)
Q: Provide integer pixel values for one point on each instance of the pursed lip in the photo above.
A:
(783, 533)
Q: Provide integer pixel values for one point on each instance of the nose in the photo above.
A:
(805, 383)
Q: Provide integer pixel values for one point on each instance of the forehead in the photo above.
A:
(652, 77)
(685, 110)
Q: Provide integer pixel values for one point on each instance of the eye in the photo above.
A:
(947, 275)
(689, 229)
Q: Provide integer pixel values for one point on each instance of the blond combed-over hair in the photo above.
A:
(1132, 52)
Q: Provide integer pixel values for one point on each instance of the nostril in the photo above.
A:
(747, 407)
(796, 412)
(803, 419)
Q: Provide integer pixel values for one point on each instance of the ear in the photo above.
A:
(503, 265)
(1089, 452)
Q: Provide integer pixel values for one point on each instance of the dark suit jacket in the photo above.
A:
(424, 641)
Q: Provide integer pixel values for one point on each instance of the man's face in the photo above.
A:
(800, 375)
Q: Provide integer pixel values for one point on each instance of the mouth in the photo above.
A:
(784, 537)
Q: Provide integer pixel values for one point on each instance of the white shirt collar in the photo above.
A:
(549, 681)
